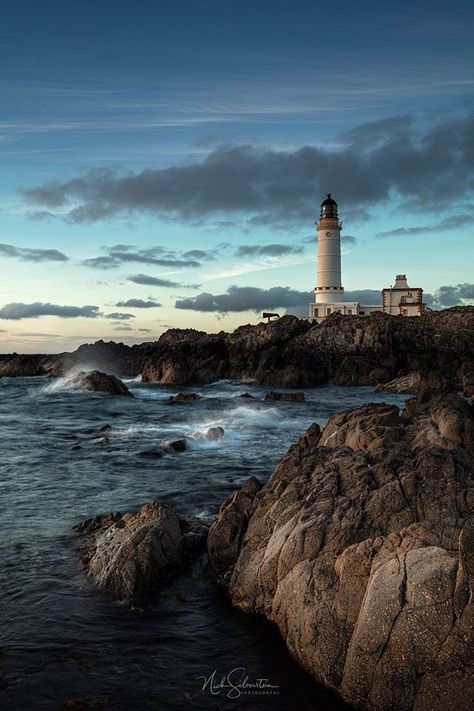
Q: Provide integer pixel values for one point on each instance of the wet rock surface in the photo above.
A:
(96, 381)
(289, 397)
(360, 548)
(184, 397)
(132, 555)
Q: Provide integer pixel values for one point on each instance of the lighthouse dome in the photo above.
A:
(329, 207)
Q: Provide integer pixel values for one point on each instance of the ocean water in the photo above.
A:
(64, 644)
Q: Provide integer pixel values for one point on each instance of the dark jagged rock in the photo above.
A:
(176, 445)
(183, 356)
(17, 366)
(246, 396)
(225, 535)
(414, 382)
(184, 397)
(361, 549)
(95, 381)
(288, 352)
(132, 555)
(289, 397)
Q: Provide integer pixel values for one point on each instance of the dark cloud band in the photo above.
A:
(380, 160)
(16, 311)
(32, 255)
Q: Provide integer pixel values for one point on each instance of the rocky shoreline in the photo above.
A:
(435, 350)
(360, 548)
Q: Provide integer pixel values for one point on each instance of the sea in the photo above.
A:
(66, 645)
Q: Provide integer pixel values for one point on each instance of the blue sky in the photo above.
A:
(163, 162)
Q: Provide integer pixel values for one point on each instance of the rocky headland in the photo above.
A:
(436, 349)
(359, 547)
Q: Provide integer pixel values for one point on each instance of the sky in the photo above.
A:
(163, 163)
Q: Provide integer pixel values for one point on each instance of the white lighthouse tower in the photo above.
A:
(329, 292)
(329, 284)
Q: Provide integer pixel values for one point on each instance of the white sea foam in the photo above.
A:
(72, 382)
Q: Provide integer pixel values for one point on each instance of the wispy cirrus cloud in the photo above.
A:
(459, 220)
(32, 255)
(268, 250)
(16, 311)
(148, 280)
(121, 254)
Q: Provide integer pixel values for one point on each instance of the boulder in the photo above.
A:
(96, 381)
(211, 435)
(184, 397)
(176, 445)
(360, 548)
(132, 555)
(289, 397)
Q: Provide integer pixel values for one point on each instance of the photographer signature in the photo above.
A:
(236, 683)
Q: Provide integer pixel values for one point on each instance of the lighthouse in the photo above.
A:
(329, 292)
(399, 299)
(329, 283)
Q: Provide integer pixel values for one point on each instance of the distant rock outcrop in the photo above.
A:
(288, 352)
(361, 549)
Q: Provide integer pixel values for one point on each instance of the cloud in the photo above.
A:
(428, 167)
(147, 280)
(460, 220)
(250, 298)
(201, 254)
(139, 303)
(267, 250)
(125, 254)
(447, 296)
(123, 328)
(17, 311)
(144, 330)
(237, 299)
(101, 263)
(120, 316)
(368, 297)
(32, 255)
(245, 298)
